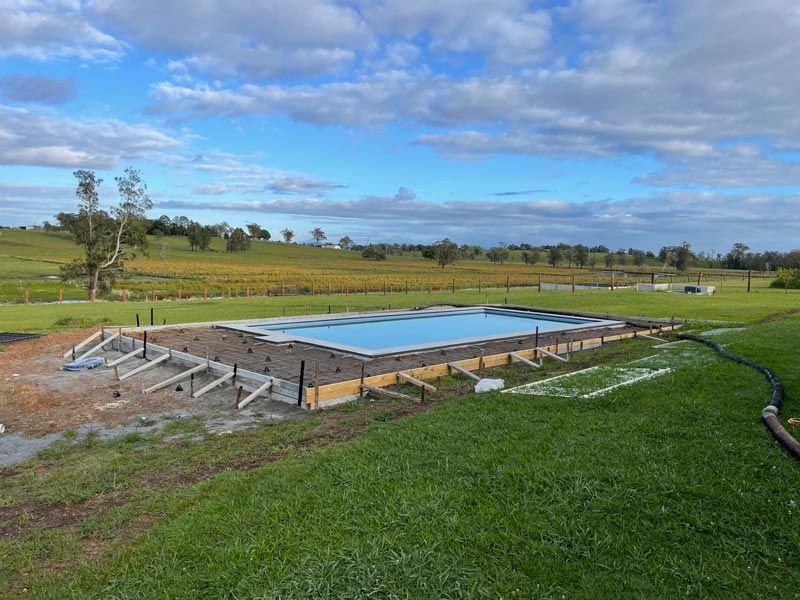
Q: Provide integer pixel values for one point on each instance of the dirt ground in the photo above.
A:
(38, 399)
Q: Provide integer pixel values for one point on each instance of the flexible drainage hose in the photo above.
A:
(770, 413)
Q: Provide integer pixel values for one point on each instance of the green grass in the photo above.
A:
(668, 489)
(732, 303)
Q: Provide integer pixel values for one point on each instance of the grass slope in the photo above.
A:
(667, 489)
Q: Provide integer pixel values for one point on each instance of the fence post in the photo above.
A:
(180, 294)
(60, 296)
(612, 280)
(653, 278)
(573, 282)
(27, 296)
(749, 277)
(540, 284)
(508, 284)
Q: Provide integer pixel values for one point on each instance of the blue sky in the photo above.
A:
(623, 122)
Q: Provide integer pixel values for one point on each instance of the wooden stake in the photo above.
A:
(316, 379)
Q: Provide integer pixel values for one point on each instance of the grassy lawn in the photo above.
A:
(669, 488)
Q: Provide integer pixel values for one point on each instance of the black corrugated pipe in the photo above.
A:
(770, 413)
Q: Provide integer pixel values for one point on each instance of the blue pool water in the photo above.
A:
(417, 330)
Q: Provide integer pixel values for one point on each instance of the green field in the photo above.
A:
(31, 260)
(732, 303)
(660, 489)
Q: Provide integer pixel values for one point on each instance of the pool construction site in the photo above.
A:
(230, 376)
(234, 356)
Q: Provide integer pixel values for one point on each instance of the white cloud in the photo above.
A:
(287, 38)
(234, 174)
(41, 29)
(34, 138)
(741, 165)
(506, 32)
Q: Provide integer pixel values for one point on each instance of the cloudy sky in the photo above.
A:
(624, 122)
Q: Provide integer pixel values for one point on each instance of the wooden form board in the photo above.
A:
(353, 387)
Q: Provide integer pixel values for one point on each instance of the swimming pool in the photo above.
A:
(408, 331)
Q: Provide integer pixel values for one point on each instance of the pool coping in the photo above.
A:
(249, 327)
